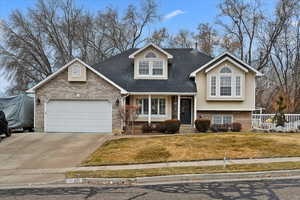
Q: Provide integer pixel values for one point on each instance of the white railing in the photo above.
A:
(264, 121)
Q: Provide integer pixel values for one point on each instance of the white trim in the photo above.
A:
(169, 56)
(178, 107)
(34, 109)
(45, 115)
(149, 108)
(195, 109)
(32, 90)
(230, 60)
(193, 74)
(162, 93)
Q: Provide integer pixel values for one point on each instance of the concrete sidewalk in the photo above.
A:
(57, 175)
(146, 166)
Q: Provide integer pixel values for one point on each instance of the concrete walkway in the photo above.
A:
(152, 165)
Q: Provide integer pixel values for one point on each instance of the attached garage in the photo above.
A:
(83, 116)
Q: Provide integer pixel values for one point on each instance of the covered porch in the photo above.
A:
(155, 108)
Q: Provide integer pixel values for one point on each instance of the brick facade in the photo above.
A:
(243, 117)
(60, 88)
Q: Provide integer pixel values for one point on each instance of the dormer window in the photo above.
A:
(151, 65)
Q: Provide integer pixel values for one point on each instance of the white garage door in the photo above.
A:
(78, 116)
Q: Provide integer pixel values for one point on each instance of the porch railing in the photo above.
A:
(264, 121)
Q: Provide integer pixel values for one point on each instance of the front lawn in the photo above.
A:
(194, 147)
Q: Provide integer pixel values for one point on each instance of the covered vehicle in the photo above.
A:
(4, 130)
(18, 111)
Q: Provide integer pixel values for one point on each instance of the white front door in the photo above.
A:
(78, 116)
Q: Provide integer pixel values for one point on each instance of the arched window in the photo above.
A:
(225, 70)
(150, 55)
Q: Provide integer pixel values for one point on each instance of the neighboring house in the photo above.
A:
(166, 83)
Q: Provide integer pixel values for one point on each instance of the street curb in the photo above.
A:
(282, 174)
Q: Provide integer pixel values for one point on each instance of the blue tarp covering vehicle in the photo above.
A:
(19, 111)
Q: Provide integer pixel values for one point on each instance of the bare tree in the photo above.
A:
(181, 40)
(159, 37)
(54, 32)
(245, 18)
(206, 38)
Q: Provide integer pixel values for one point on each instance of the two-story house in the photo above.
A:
(165, 83)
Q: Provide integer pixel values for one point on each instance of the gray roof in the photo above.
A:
(120, 68)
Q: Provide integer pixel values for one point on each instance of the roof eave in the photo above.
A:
(169, 56)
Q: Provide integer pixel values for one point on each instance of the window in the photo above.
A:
(217, 119)
(76, 71)
(151, 65)
(158, 106)
(238, 86)
(154, 106)
(227, 119)
(144, 68)
(213, 85)
(157, 68)
(222, 119)
(225, 70)
(225, 86)
(150, 55)
(162, 106)
(143, 106)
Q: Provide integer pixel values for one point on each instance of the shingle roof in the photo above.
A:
(120, 68)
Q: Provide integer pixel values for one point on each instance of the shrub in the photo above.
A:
(214, 128)
(171, 126)
(236, 127)
(202, 124)
(160, 127)
(147, 128)
(220, 127)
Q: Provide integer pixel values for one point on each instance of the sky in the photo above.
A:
(176, 14)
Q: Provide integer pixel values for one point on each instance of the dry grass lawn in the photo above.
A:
(132, 173)
(195, 147)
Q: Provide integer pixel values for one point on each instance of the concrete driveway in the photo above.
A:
(54, 150)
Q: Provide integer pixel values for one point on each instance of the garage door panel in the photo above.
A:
(78, 116)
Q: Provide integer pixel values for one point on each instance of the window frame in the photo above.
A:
(222, 118)
(158, 107)
(233, 85)
(151, 62)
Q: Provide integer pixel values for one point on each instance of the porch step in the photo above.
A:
(187, 129)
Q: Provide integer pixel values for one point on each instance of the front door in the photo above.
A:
(185, 111)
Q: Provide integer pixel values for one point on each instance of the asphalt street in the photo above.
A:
(284, 189)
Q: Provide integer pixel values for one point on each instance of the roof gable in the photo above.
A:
(40, 84)
(169, 56)
(223, 57)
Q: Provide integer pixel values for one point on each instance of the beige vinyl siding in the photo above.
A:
(246, 102)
